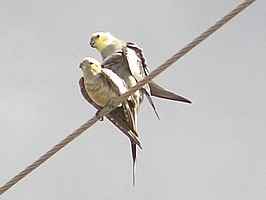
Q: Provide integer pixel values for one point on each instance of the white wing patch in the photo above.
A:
(116, 81)
(135, 64)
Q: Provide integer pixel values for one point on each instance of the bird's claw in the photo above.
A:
(111, 104)
(97, 115)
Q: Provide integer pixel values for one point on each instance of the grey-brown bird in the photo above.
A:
(99, 86)
(107, 45)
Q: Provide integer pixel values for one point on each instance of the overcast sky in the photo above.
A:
(212, 149)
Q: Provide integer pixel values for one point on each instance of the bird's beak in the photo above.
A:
(81, 66)
(92, 43)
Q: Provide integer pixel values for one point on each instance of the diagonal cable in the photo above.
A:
(123, 97)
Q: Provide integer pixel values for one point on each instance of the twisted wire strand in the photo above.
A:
(183, 51)
(123, 97)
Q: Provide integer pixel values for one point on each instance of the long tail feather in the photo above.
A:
(160, 92)
(151, 102)
(134, 155)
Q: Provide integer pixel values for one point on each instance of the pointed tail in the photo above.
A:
(160, 92)
(151, 102)
(134, 155)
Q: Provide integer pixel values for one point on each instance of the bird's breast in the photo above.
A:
(100, 92)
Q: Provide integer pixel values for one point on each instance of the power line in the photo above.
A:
(123, 97)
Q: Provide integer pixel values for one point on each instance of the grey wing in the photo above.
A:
(117, 83)
(139, 52)
(115, 116)
(118, 63)
(156, 90)
(137, 65)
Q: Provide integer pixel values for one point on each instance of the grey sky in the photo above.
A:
(212, 149)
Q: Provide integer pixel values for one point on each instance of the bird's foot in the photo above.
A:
(97, 115)
(111, 104)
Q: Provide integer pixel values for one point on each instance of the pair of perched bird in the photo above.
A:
(123, 67)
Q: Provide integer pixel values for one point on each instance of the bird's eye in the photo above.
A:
(90, 63)
(97, 36)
